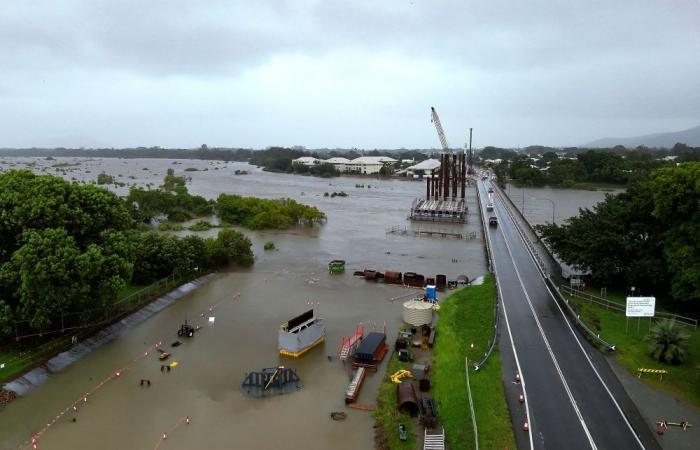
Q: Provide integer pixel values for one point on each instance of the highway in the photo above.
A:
(572, 399)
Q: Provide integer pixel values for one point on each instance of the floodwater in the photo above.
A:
(541, 203)
(283, 283)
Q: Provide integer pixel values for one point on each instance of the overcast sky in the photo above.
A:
(350, 73)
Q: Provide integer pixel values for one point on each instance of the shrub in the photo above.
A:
(201, 225)
(103, 178)
(667, 342)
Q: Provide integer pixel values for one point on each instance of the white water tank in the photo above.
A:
(417, 313)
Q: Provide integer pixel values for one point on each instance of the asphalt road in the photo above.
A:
(573, 401)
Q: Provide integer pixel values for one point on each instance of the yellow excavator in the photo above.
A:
(399, 375)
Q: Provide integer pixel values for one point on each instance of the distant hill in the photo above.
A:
(690, 137)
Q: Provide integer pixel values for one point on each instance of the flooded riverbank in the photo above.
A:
(283, 283)
(540, 204)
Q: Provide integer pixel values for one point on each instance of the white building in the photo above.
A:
(341, 164)
(424, 167)
(369, 164)
(307, 161)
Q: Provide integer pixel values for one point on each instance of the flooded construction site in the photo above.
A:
(198, 402)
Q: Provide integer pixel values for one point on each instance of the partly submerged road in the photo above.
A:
(573, 401)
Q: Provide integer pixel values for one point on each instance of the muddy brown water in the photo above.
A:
(536, 203)
(281, 284)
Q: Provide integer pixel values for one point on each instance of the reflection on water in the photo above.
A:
(282, 284)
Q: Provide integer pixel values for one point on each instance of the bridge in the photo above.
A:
(572, 398)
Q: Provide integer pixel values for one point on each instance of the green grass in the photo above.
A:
(17, 361)
(386, 413)
(466, 317)
(36, 351)
(682, 381)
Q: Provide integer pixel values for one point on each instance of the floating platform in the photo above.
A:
(452, 210)
(362, 406)
(371, 351)
(271, 381)
(301, 334)
(353, 389)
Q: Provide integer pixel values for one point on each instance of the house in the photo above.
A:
(307, 161)
(339, 163)
(369, 164)
(423, 167)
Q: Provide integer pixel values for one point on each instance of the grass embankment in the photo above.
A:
(21, 358)
(466, 317)
(631, 350)
(388, 416)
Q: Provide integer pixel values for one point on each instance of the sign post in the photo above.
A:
(640, 307)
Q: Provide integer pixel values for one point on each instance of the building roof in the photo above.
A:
(428, 164)
(306, 160)
(372, 160)
(337, 160)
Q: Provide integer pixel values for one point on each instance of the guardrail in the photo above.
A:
(615, 306)
(487, 245)
(492, 341)
(471, 404)
(573, 315)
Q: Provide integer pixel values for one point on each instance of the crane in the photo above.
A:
(438, 126)
(470, 167)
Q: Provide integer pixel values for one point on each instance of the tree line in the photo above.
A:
(647, 237)
(173, 201)
(68, 247)
(539, 166)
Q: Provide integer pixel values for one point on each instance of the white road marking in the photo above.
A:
(510, 336)
(568, 324)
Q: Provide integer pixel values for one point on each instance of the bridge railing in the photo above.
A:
(573, 315)
(487, 247)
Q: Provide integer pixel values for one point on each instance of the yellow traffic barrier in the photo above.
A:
(660, 372)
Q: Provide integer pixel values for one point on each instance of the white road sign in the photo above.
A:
(640, 306)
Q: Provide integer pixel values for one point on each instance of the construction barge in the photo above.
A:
(371, 351)
(301, 334)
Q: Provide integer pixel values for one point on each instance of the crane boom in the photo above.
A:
(438, 126)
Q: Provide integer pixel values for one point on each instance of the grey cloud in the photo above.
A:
(96, 71)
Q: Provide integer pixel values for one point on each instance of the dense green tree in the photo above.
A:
(565, 172)
(171, 181)
(230, 247)
(648, 236)
(29, 201)
(257, 213)
(71, 248)
(52, 275)
(676, 197)
(323, 170)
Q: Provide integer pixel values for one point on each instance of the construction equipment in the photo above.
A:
(452, 173)
(470, 165)
(398, 375)
(435, 119)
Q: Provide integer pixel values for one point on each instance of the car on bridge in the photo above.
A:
(493, 221)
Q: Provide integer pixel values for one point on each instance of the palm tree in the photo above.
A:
(667, 343)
